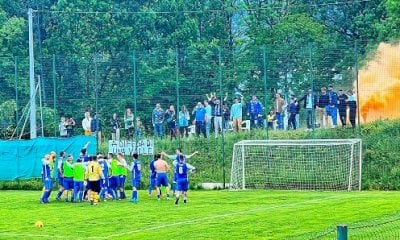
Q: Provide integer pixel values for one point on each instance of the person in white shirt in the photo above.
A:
(86, 124)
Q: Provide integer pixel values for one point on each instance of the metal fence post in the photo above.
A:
(177, 94)
(135, 122)
(54, 95)
(265, 89)
(342, 232)
(16, 93)
(223, 122)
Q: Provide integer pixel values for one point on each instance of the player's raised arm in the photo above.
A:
(191, 155)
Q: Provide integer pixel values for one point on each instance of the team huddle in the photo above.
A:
(96, 178)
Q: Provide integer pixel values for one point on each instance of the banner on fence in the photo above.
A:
(129, 147)
(22, 159)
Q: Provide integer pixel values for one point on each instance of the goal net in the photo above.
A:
(318, 164)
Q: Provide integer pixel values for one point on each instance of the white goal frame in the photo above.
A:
(239, 175)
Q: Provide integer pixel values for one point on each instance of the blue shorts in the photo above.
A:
(121, 181)
(152, 182)
(135, 183)
(60, 180)
(162, 180)
(105, 183)
(114, 182)
(78, 186)
(68, 183)
(182, 184)
(48, 184)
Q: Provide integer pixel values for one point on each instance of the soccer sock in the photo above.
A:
(135, 195)
(102, 193)
(60, 192)
(80, 196)
(44, 195)
(185, 199)
(173, 187)
(48, 195)
(177, 200)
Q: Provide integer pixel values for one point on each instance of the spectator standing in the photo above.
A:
(129, 124)
(279, 110)
(254, 110)
(115, 128)
(170, 117)
(184, 118)
(62, 128)
(226, 116)
(200, 119)
(217, 111)
(292, 113)
(95, 128)
(86, 123)
(331, 109)
(236, 114)
(70, 127)
(323, 102)
(351, 100)
(271, 119)
(208, 109)
(342, 105)
(310, 103)
(217, 114)
(157, 118)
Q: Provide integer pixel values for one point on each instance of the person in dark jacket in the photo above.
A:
(310, 103)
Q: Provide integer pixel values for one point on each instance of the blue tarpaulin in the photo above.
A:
(21, 159)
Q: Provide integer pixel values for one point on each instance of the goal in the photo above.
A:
(318, 164)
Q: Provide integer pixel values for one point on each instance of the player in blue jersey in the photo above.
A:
(175, 159)
(182, 182)
(60, 175)
(135, 173)
(153, 175)
(46, 178)
(104, 185)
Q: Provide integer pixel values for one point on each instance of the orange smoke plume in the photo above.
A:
(379, 85)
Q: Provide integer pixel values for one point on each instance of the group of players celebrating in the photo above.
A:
(95, 178)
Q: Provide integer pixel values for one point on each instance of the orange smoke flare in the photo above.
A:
(379, 85)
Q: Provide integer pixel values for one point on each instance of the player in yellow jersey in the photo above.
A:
(93, 176)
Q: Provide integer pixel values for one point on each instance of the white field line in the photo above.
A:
(24, 235)
(208, 218)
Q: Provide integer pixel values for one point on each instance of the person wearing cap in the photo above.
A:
(331, 109)
(342, 99)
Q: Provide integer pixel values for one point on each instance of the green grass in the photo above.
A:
(208, 215)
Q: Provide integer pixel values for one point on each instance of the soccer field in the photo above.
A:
(207, 215)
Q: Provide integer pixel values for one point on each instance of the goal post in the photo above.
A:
(317, 164)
